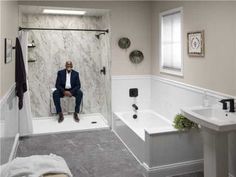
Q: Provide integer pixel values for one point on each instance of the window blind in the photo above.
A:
(171, 41)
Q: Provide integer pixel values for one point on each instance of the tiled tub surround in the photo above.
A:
(53, 48)
(164, 97)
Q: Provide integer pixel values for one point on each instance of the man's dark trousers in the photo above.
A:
(58, 94)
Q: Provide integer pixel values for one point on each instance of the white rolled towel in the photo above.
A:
(35, 166)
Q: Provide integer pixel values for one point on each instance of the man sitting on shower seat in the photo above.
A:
(67, 84)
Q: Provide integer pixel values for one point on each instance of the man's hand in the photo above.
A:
(67, 93)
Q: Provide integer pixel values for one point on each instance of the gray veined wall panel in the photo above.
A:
(106, 62)
(53, 48)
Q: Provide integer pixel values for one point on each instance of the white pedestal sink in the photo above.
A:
(216, 124)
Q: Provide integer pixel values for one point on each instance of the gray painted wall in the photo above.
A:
(217, 70)
(8, 101)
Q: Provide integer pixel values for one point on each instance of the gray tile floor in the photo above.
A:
(198, 174)
(88, 154)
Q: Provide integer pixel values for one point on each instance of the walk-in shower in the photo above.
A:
(58, 38)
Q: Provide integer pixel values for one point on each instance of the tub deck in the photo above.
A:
(147, 121)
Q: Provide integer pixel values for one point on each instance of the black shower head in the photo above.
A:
(98, 35)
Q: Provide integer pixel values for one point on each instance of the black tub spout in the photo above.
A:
(135, 107)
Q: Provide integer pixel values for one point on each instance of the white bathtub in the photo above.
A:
(160, 148)
(148, 121)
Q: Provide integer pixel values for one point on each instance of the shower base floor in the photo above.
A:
(47, 125)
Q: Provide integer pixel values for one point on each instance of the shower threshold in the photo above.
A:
(48, 125)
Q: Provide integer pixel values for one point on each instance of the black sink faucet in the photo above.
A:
(231, 104)
(135, 106)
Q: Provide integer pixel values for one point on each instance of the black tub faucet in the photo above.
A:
(135, 107)
(224, 104)
(231, 104)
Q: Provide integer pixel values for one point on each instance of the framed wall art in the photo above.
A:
(196, 44)
(8, 50)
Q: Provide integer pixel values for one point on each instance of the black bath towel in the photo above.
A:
(20, 74)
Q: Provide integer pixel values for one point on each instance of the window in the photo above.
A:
(171, 42)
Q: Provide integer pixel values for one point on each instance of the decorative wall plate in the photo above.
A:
(196, 44)
(136, 56)
(124, 43)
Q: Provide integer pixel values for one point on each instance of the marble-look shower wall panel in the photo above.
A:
(106, 62)
(53, 49)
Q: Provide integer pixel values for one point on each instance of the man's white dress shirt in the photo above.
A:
(68, 85)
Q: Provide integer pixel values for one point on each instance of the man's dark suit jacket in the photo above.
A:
(74, 81)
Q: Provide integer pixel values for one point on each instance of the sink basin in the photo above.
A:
(217, 124)
(211, 117)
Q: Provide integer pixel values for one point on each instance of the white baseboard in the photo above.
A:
(174, 169)
(14, 148)
(175, 165)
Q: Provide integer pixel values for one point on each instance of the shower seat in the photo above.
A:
(67, 104)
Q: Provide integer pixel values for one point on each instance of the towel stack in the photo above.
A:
(36, 166)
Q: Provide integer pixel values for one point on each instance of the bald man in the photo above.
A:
(67, 84)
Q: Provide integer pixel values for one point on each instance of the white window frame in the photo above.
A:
(165, 70)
